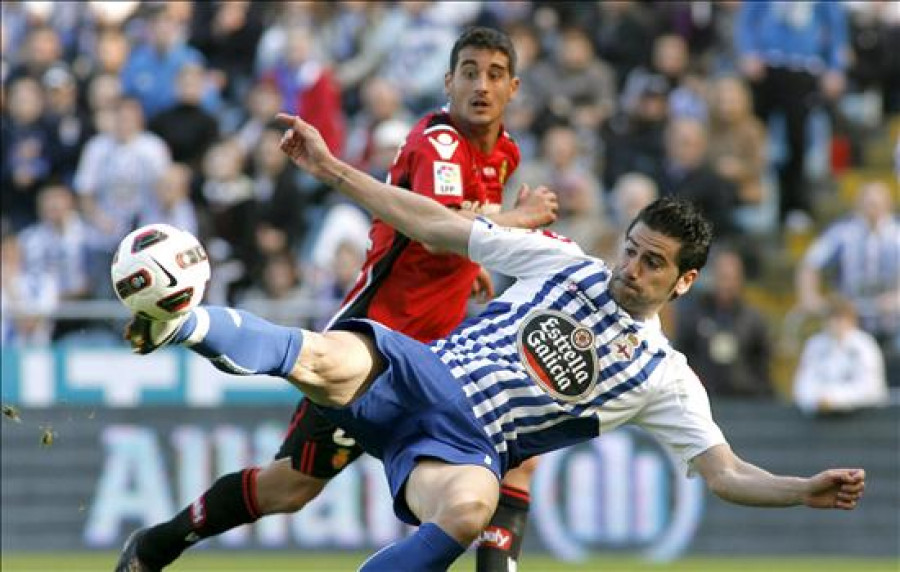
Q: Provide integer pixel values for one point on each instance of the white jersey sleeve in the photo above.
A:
(520, 252)
(678, 413)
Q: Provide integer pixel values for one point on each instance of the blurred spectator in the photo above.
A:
(111, 51)
(308, 87)
(187, 128)
(281, 282)
(863, 250)
(282, 18)
(723, 336)
(27, 142)
(688, 174)
(229, 197)
(684, 89)
(522, 110)
(874, 70)
(334, 284)
(841, 368)
(633, 138)
(562, 168)
(151, 71)
(737, 140)
(42, 49)
(103, 94)
(263, 102)
(623, 33)
(56, 248)
(280, 206)
(25, 300)
(793, 54)
(360, 38)
(574, 86)
(633, 192)
(172, 204)
(381, 103)
(118, 173)
(418, 61)
(71, 125)
(342, 222)
(386, 142)
(227, 33)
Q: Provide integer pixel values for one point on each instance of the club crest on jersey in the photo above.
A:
(559, 354)
(447, 179)
(623, 347)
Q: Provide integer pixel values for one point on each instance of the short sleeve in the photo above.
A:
(824, 248)
(520, 252)
(438, 167)
(678, 413)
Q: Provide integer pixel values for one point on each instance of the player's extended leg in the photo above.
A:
(500, 545)
(454, 503)
(234, 499)
(331, 368)
(314, 451)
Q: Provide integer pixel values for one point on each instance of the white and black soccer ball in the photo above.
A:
(160, 271)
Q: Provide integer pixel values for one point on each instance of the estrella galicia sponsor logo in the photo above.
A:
(558, 353)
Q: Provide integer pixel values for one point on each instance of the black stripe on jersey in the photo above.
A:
(359, 306)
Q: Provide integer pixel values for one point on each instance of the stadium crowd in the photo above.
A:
(120, 114)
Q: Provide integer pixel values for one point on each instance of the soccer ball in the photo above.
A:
(160, 271)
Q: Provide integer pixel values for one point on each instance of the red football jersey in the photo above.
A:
(401, 284)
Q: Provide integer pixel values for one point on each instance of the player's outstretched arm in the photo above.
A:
(740, 482)
(418, 217)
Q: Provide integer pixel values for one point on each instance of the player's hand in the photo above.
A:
(483, 287)
(540, 206)
(835, 488)
(304, 145)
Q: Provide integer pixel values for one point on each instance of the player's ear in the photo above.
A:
(684, 282)
(448, 80)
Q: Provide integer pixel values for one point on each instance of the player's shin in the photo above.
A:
(429, 549)
(229, 503)
(241, 343)
(500, 545)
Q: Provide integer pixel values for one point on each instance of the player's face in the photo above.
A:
(480, 86)
(646, 274)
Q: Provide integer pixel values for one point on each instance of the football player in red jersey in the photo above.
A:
(460, 157)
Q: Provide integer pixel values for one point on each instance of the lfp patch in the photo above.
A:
(447, 179)
(559, 354)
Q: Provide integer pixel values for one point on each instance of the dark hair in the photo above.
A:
(682, 221)
(486, 39)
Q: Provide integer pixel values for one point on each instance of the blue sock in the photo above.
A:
(430, 549)
(239, 342)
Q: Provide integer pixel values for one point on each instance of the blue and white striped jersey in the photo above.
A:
(555, 360)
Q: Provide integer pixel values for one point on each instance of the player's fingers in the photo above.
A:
(845, 504)
(853, 487)
(285, 119)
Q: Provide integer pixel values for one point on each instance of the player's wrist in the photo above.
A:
(333, 173)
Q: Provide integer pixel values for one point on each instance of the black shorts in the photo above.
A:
(316, 446)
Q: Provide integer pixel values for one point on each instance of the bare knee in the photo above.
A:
(281, 489)
(464, 519)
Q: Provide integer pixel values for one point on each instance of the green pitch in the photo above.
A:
(209, 561)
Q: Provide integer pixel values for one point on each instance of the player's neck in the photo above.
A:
(483, 137)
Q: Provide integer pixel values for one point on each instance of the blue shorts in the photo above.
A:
(414, 409)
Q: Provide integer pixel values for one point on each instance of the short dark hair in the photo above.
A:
(486, 39)
(681, 220)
